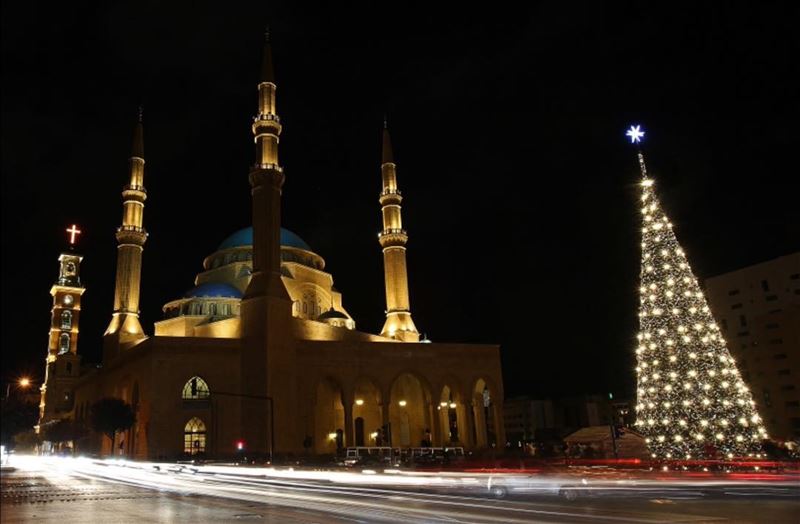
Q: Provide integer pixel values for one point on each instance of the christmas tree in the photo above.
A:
(691, 399)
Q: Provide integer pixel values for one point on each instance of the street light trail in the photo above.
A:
(395, 495)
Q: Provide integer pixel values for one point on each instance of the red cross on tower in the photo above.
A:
(73, 231)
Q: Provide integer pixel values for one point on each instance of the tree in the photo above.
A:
(27, 440)
(17, 417)
(64, 430)
(690, 393)
(110, 415)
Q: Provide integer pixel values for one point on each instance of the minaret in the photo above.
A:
(63, 361)
(266, 181)
(268, 380)
(393, 240)
(131, 237)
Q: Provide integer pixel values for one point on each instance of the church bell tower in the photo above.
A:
(63, 362)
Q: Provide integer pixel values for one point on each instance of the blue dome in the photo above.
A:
(244, 237)
(215, 290)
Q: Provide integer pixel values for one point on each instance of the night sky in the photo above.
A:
(508, 130)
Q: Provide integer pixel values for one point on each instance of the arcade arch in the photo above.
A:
(367, 413)
(328, 417)
(409, 411)
(485, 415)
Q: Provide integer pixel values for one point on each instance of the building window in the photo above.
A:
(63, 343)
(780, 356)
(772, 326)
(69, 368)
(195, 389)
(771, 298)
(784, 372)
(767, 399)
(66, 319)
(725, 324)
(793, 403)
(788, 387)
(765, 285)
(733, 292)
(736, 306)
(776, 341)
(742, 320)
(795, 276)
(194, 437)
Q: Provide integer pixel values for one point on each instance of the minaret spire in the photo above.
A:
(266, 181)
(267, 351)
(267, 71)
(393, 239)
(131, 237)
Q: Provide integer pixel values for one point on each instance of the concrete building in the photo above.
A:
(758, 309)
(261, 350)
(528, 419)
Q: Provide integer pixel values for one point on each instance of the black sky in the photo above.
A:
(508, 124)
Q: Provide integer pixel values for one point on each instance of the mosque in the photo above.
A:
(261, 354)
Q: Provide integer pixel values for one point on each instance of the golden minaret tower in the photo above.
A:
(268, 408)
(63, 362)
(131, 237)
(266, 181)
(393, 240)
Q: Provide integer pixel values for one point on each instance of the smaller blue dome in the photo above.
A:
(244, 237)
(214, 290)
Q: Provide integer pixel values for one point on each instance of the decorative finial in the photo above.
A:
(141, 112)
(73, 232)
(266, 34)
(635, 133)
(385, 122)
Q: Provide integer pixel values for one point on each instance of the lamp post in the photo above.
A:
(23, 383)
(271, 415)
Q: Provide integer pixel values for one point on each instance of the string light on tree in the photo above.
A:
(692, 400)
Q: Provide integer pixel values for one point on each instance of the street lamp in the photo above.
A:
(22, 383)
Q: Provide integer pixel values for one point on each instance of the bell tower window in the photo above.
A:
(63, 343)
(66, 319)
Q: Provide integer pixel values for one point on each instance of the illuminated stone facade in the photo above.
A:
(261, 352)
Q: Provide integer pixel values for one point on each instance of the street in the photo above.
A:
(48, 489)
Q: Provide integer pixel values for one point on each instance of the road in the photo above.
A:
(83, 490)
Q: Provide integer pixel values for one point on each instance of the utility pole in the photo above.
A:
(271, 416)
(612, 425)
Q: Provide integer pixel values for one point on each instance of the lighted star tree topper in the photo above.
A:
(691, 399)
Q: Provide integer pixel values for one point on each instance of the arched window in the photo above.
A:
(69, 368)
(194, 437)
(63, 343)
(66, 319)
(196, 389)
